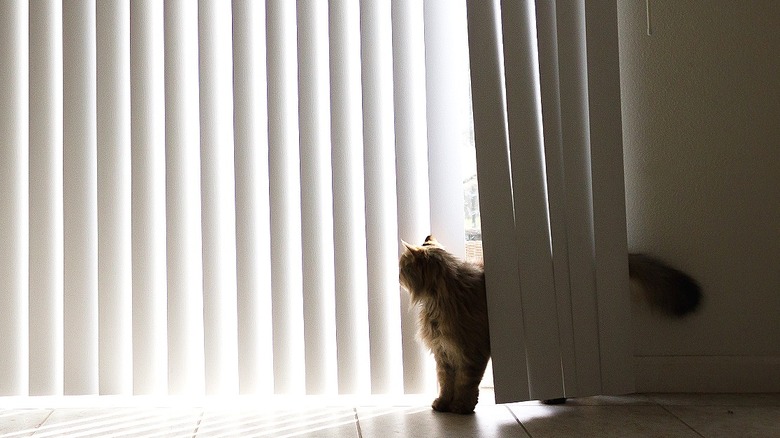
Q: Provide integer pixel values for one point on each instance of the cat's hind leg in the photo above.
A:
(445, 374)
(466, 391)
(467, 380)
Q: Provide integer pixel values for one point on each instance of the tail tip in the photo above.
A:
(687, 302)
(670, 290)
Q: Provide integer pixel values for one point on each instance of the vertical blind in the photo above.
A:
(208, 198)
(545, 82)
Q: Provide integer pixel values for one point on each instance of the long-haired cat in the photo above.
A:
(449, 294)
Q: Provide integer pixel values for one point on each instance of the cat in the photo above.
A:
(453, 323)
(449, 294)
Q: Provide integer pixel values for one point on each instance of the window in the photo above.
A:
(210, 200)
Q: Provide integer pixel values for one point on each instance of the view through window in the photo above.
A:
(472, 223)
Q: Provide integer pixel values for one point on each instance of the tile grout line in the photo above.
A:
(197, 425)
(511, 412)
(38, 426)
(680, 420)
(357, 423)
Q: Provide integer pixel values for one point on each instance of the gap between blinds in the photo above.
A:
(210, 199)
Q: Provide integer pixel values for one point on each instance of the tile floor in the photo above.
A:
(640, 415)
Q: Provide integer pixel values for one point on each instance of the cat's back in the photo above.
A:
(460, 307)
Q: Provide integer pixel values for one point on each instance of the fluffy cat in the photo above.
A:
(449, 294)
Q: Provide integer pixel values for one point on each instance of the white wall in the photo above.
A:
(701, 114)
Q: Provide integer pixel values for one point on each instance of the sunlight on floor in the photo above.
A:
(638, 415)
(238, 416)
(222, 417)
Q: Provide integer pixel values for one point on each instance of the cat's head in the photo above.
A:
(420, 267)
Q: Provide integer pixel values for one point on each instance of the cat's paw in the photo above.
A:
(441, 405)
(459, 407)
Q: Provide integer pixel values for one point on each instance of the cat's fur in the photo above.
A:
(453, 322)
(667, 289)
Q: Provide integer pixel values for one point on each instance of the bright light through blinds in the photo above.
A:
(13, 196)
(210, 200)
(115, 352)
(316, 198)
(285, 201)
(381, 208)
(253, 254)
(149, 257)
(218, 196)
(46, 209)
(183, 200)
(349, 226)
(80, 198)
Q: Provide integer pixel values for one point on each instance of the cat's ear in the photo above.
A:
(412, 249)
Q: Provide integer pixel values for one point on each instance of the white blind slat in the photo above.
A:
(80, 199)
(448, 111)
(285, 198)
(253, 258)
(449, 124)
(113, 185)
(150, 374)
(609, 209)
(529, 152)
(186, 368)
(502, 278)
(411, 168)
(381, 207)
(316, 199)
(14, 144)
(46, 219)
(575, 277)
(348, 199)
(218, 196)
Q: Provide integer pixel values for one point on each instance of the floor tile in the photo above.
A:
(21, 422)
(731, 421)
(600, 421)
(421, 421)
(668, 415)
(120, 422)
(759, 399)
(250, 421)
(601, 400)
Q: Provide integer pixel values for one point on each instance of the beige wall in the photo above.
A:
(701, 114)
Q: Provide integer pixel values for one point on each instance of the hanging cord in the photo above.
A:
(649, 26)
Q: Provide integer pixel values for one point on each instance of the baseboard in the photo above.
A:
(707, 373)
